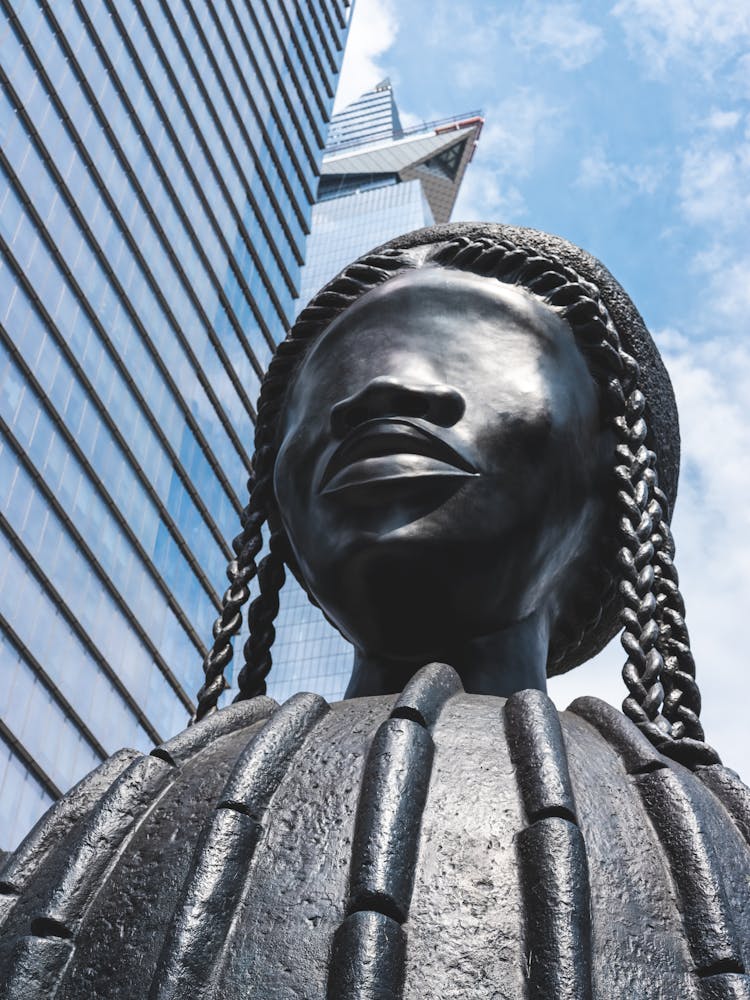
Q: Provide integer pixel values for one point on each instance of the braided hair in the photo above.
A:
(663, 698)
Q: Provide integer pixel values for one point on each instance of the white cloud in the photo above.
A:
(409, 119)
(519, 132)
(557, 31)
(373, 31)
(741, 77)
(518, 128)
(705, 33)
(719, 120)
(713, 188)
(714, 200)
(724, 270)
(597, 170)
(461, 28)
(486, 194)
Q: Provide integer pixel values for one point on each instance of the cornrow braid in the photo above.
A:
(663, 699)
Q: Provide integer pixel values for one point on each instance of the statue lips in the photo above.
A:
(386, 450)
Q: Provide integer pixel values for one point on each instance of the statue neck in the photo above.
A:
(501, 663)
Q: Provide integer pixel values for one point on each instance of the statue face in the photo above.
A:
(440, 462)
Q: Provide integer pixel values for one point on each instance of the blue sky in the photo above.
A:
(624, 127)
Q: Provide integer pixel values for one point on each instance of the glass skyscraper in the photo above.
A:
(378, 180)
(158, 164)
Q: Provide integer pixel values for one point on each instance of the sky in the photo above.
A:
(624, 127)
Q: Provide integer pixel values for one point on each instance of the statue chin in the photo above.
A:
(407, 606)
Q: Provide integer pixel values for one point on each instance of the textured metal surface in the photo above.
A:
(21, 866)
(198, 936)
(357, 852)
(538, 752)
(105, 831)
(386, 841)
(636, 753)
(731, 792)
(556, 893)
(34, 967)
(425, 696)
(386, 844)
(707, 915)
(728, 987)
(368, 958)
(552, 854)
(183, 746)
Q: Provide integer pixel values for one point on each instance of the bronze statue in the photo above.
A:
(466, 452)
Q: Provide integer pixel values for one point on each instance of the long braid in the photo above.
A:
(682, 701)
(641, 613)
(260, 618)
(240, 571)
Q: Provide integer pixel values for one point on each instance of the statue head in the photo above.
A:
(440, 467)
(466, 450)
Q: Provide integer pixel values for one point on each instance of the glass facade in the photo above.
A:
(378, 180)
(158, 165)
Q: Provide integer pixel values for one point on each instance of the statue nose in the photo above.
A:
(386, 396)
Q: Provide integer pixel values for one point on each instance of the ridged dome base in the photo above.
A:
(430, 846)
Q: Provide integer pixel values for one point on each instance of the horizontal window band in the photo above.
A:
(128, 237)
(78, 630)
(124, 299)
(270, 145)
(312, 8)
(28, 288)
(299, 92)
(178, 205)
(219, 180)
(110, 424)
(28, 761)
(170, 599)
(95, 565)
(166, 64)
(179, 208)
(293, 37)
(49, 685)
(324, 73)
(335, 35)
